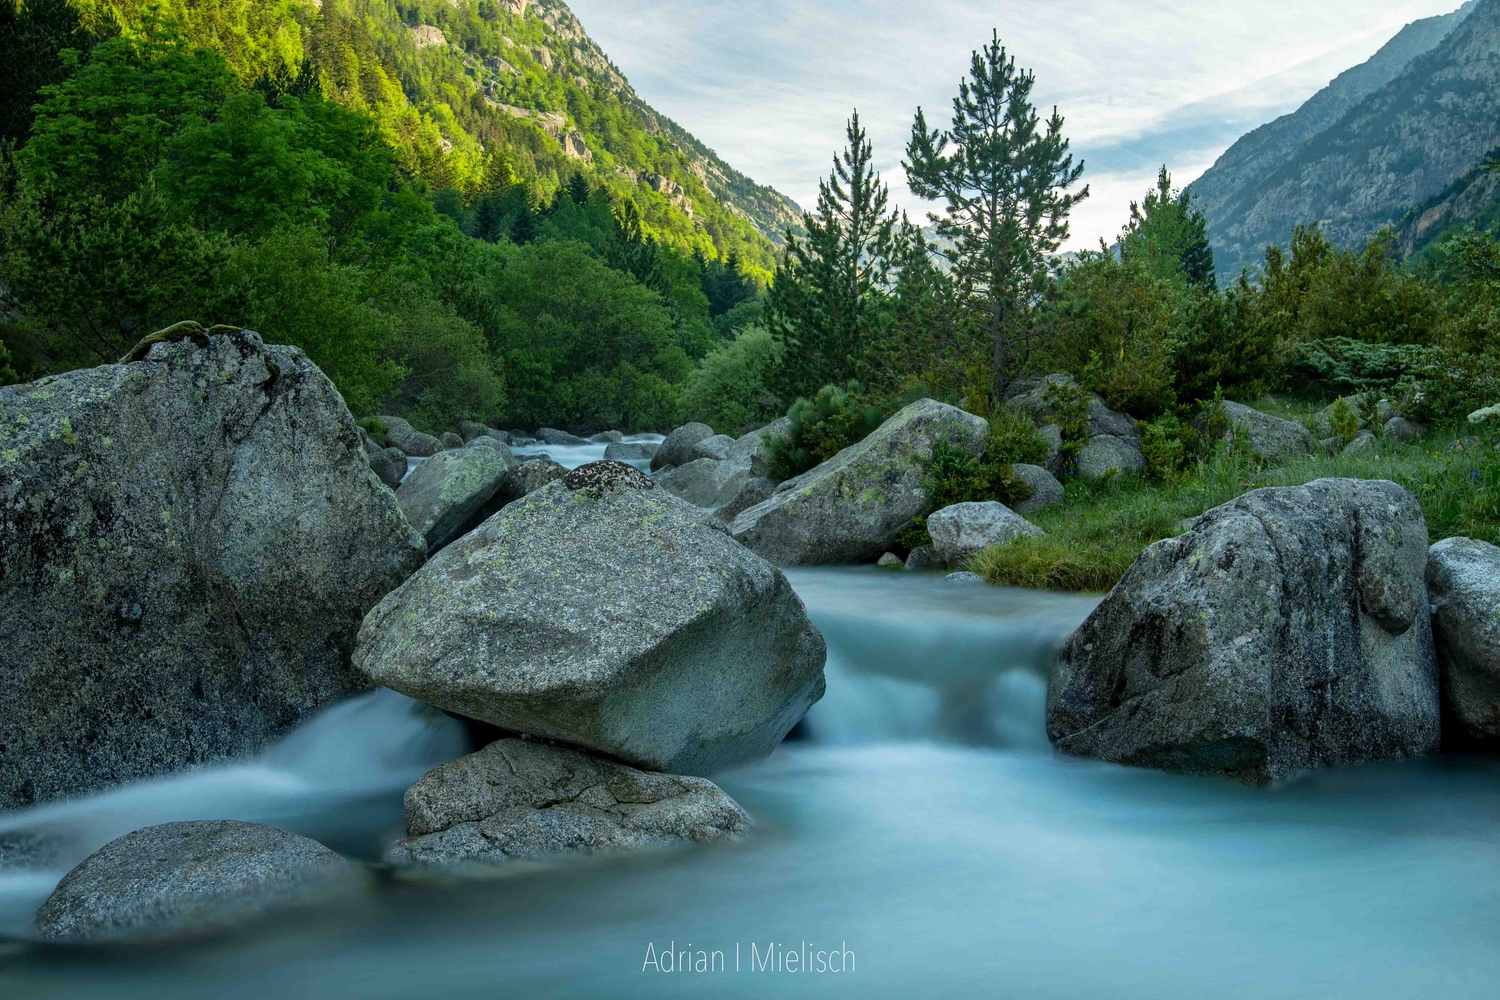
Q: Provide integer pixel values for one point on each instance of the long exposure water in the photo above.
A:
(922, 825)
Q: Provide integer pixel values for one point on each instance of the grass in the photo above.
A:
(1101, 528)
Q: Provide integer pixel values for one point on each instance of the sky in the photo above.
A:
(769, 84)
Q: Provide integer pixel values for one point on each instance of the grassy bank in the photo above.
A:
(1100, 529)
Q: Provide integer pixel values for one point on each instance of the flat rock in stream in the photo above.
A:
(603, 612)
(188, 544)
(1286, 630)
(189, 880)
(524, 800)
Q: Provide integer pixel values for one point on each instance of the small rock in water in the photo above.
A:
(925, 558)
(677, 449)
(400, 434)
(560, 438)
(629, 451)
(968, 579)
(525, 800)
(186, 880)
(608, 437)
(891, 561)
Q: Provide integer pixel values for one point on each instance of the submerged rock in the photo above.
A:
(677, 449)
(851, 508)
(961, 532)
(443, 494)
(925, 558)
(400, 434)
(187, 880)
(608, 437)
(187, 546)
(1463, 582)
(604, 612)
(891, 561)
(524, 800)
(1286, 630)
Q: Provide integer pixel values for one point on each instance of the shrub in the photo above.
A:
(822, 427)
(728, 389)
(1447, 386)
(1168, 445)
(1014, 438)
(1070, 407)
(1341, 365)
(1344, 421)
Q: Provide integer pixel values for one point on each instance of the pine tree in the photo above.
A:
(32, 34)
(825, 306)
(1003, 177)
(1169, 235)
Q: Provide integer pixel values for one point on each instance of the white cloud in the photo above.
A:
(769, 83)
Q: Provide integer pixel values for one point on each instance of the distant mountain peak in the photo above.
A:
(1380, 138)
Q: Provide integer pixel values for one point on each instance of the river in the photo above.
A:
(920, 825)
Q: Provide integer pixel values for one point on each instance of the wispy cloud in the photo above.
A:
(769, 83)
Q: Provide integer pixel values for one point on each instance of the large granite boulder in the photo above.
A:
(677, 449)
(1287, 629)
(524, 800)
(629, 451)
(1463, 583)
(187, 546)
(751, 492)
(961, 532)
(851, 508)
(1271, 438)
(400, 434)
(706, 482)
(187, 880)
(1046, 490)
(606, 613)
(443, 494)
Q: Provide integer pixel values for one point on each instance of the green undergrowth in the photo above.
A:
(1101, 528)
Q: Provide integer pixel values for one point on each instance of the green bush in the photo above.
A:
(1168, 445)
(1341, 365)
(1070, 407)
(822, 427)
(728, 389)
(1344, 421)
(1014, 439)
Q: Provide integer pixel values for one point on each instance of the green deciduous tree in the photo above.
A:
(1002, 176)
(827, 302)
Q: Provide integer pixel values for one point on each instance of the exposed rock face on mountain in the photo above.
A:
(1378, 140)
(1288, 629)
(187, 547)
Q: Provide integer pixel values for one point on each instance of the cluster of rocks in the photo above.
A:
(198, 555)
(1372, 422)
(1289, 629)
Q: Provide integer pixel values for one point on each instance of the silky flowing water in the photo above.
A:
(920, 825)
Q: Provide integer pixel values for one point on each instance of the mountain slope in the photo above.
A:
(480, 94)
(1258, 191)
